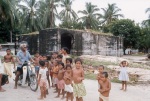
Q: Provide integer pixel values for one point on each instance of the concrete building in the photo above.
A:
(79, 42)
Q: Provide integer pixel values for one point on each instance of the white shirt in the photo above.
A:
(43, 73)
(1, 70)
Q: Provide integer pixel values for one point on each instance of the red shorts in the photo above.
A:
(43, 83)
(61, 84)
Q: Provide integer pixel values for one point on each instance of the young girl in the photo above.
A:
(78, 77)
(61, 83)
(68, 82)
(42, 80)
(123, 76)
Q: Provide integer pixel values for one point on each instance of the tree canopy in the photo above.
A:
(25, 16)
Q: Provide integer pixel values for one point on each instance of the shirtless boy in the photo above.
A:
(78, 76)
(68, 82)
(8, 58)
(100, 74)
(55, 74)
(61, 83)
(105, 87)
(36, 63)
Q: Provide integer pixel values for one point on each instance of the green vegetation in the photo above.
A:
(97, 63)
(90, 76)
(27, 16)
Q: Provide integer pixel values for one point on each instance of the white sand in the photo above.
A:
(134, 93)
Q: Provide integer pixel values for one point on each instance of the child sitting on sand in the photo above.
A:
(78, 76)
(105, 86)
(123, 76)
(61, 82)
(68, 82)
(42, 81)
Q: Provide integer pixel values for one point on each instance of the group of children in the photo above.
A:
(67, 76)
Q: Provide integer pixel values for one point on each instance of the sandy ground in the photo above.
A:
(134, 93)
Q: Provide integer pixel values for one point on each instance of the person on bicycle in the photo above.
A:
(22, 56)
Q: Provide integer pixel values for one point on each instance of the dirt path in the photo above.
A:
(134, 93)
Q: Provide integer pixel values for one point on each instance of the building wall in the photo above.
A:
(82, 42)
(101, 45)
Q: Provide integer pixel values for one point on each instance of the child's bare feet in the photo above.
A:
(15, 87)
(57, 96)
(62, 97)
(40, 98)
(2, 90)
(125, 90)
(121, 89)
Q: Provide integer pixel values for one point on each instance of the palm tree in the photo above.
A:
(110, 13)
(67, 14)
(146, 23)
(8, 14)
(48, 12)
(90, 15)
(29, 12)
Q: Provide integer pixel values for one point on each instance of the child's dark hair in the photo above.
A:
(101, 66)
(48, 57)
(68, 66)
(105, 74)
(61, 63)
(59, 56)
(8, 49)
(66, 49)
(69, 59)
(42, 63)
(78, 59)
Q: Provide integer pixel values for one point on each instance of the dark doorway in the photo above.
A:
(66, 41)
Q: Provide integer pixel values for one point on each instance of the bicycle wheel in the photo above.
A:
(33, 83)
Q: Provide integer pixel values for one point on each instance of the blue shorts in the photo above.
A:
(37, 68)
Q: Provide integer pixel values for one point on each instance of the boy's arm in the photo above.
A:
(109, 87)
(13, 61)
(82, 75)
(101, 90)
(65, 78)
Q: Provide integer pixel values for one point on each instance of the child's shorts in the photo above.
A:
(69, 88)
(55, 81)
(43, 83)
(79, 90)
(61, 84)
(37, 68)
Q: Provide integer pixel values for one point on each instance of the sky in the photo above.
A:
(131, 9)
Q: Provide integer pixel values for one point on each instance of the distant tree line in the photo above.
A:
(25, 16)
